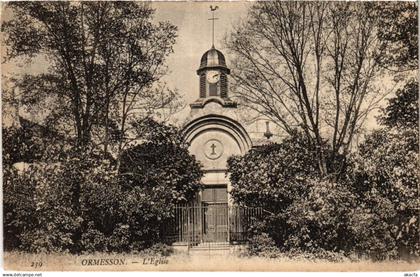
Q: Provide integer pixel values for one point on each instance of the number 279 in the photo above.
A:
(36, 264)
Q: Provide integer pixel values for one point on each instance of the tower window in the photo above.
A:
(202, 85)
(213, 89)
(223, 85)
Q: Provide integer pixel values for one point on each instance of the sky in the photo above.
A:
(194, 38)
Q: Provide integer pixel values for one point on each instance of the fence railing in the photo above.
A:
(214, 222)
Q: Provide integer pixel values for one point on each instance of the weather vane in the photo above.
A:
(213, 9)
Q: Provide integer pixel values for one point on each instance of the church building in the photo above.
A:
(216, 129)
(215, 133)
(213, 130)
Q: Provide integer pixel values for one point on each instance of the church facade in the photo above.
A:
(212, 130)
(214, 133)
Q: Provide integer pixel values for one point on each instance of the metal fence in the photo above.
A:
(211, 223)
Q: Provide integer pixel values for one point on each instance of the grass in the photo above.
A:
(204, 261)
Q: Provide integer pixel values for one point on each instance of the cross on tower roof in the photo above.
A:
(213, 9)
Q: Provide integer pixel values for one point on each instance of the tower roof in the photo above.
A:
(212, 58)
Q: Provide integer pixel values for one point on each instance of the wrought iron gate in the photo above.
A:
(215, 219)
(212, 222)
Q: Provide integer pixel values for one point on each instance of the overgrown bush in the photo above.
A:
(369, 212)
(303, 212)
(41, 211)
(44, 202)
(319, 219)
(81, 202)
(263, 245)
(385, 177)
(274, 175)
(156, 175)
(18, 206)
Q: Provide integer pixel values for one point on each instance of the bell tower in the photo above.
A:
(213, 76)
(213, 135)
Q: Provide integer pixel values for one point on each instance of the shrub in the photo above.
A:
(385, 177)
(161, 164)
(304, 212)
(158, 249)
(156, 175)
(20, 144)
(371, 210)
(262, 245)
(93, 240)
(18, 206)
(80, 202)
(100, 205)
(272, 176)
(372, 235)
(120, 239)
(48, 226)
(319, 219)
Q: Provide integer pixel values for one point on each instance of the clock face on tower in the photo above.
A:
(213, 76)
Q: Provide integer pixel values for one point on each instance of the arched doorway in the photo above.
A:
(213, 139)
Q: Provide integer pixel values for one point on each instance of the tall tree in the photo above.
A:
(309, 66)
(104, 60)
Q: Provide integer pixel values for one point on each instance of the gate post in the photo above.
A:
(200, 215)
(228, 222)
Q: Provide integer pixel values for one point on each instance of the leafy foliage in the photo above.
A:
(272, 176)
(29, 142)
(161, 164)
(261, 244)
(399, 34)
(18, 207)
(371, 212)
(305, 213)
(385, 175)
(33, 216)
(104, 62)
(319, 219)
(403, 110)
(51, 192)
(156, 174)
(371, 206)
(110, 210)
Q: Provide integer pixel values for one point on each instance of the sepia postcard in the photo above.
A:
(210, 136)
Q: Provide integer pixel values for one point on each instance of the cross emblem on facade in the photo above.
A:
(212, 149)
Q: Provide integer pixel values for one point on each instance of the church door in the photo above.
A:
(215, 216)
